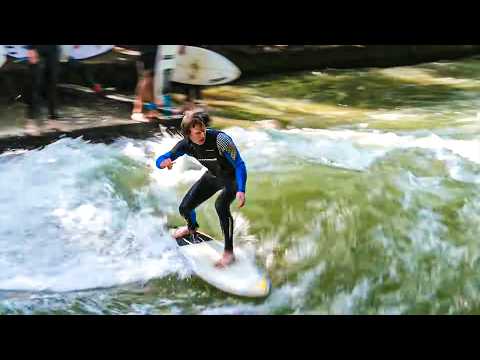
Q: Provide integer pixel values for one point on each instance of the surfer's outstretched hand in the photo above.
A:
(167, 163)
(241, 199)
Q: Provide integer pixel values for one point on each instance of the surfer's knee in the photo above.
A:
(184, 210)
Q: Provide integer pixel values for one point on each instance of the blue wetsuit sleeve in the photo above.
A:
(174, 154)
(227, 148)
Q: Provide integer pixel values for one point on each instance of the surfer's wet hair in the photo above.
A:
(189, 122)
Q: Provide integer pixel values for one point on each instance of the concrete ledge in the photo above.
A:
(106, 133)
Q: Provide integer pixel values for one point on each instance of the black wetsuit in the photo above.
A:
(226, 172)
(44, 75)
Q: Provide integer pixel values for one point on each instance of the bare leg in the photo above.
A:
(141, 94)
(137, 104)
(149, 95)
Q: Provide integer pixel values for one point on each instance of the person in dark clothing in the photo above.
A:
(226, 172)
(44, 69)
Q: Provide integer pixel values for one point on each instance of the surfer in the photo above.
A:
(226, 171)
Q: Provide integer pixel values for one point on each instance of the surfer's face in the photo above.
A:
(197, 134)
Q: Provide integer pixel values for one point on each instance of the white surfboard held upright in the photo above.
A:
(166, 60)
(196, 66)
(3, 55)
(204, 67)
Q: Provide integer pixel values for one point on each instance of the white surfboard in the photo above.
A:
(16, 51)
(78, 52)
(204, 67)
(241, 278)
(65, 52)
(83, 52)
(166, 60)
(20, 52)
(3, 55)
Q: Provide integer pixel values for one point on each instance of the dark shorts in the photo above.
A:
(148, 61)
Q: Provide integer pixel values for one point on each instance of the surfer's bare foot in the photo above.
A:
(227, 258)
(181, 232)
